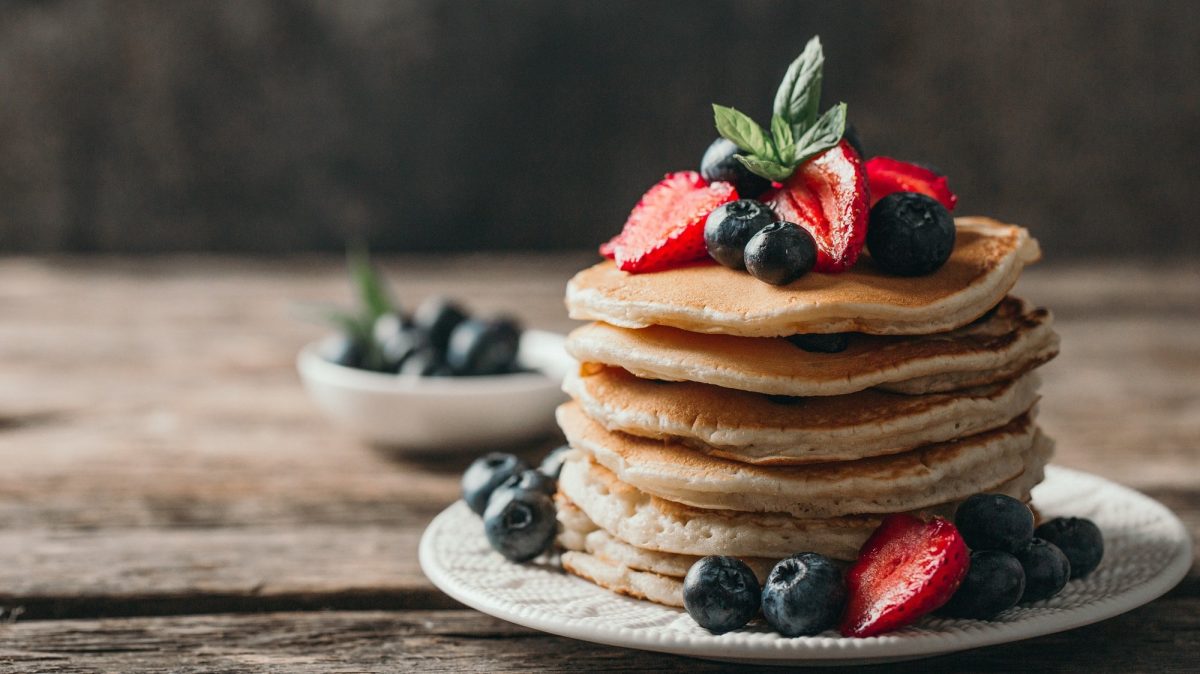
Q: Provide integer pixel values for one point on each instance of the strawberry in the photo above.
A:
(666, 228)
(827, 196)
(906, 569)
(887, 175)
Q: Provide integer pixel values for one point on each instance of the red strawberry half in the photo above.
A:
(906, 569)
(827, 196)
(888, 175)
(666, 228)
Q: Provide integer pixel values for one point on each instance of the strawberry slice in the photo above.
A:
(666, 228)
(827, 196)
(887, 175)
(906, 569)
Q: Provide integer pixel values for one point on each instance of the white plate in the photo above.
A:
(1147, 551)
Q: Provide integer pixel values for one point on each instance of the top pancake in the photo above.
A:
(987, 260)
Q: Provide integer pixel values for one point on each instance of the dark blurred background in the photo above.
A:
(287, 125)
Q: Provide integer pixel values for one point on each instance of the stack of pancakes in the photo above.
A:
(699, 428)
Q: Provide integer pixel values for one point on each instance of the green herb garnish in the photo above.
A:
(797, 132)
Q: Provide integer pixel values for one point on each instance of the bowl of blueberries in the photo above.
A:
(434, 379)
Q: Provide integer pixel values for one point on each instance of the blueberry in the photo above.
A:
(719, 163)
(485, 474)
(479, 347)
(553, 463)
(520, 523)
(1079, 539)
(910, 234)
(994, 522)
(729, 227)
(720, 593)
(780, 253)
(804, 595)
(437, 317)
(423, 362)
(1047, 570)
(994, 583)
(528, 480)
(835, 343)
(397, 340)
(343, 350)
(851, 136)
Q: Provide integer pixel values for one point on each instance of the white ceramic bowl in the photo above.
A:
(442, 412)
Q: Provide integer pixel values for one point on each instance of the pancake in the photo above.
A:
(760, 429)
(599, 500)
(1009, 341)
(988, 257)
(602, 544)
(623, 580)
(910, 480)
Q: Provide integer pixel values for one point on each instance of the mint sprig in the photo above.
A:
(797, 132)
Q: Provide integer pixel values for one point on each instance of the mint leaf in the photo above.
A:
(785, 142)
(767, 169)
(799, 95)
(821, 136)
(372, 289)
(743, 131)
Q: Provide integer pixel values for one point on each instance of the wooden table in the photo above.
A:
(170, 499)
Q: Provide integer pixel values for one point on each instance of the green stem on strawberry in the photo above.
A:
(797, 132)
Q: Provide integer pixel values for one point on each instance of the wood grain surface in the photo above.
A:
(171, 501)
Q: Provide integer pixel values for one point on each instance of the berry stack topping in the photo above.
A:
(666, 228)
(994, 522)
(780, 253)
(720, 164)
(729, 228)
(1047, 570)
(485, 474)
(817, 343)
(910, 234)
(906, 569)
(994, 583)
(804, 595)
(720, 593)
(1078, 538)
(887, 175)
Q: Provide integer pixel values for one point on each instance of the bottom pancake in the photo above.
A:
(624, 580)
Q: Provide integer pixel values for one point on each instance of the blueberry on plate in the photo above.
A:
(834, 343)
(343, 350)
(804, 595)
(520, 523)
(479, 347)
(994, 522)
(1078, 538)
(994, 582)
(720, 593)
(437, 317)
(910, 234)
(729, 227)
(1047, 570)
(485, 474)
(528, 480)
(720, 164)
(780, 253)
(553, 463)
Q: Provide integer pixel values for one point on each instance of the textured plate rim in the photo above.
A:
(814, 650)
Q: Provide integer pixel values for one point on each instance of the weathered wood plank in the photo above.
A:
(1161, 637)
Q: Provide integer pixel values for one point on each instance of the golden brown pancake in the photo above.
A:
(988, 257)
(780, 430)
(1012, 340)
